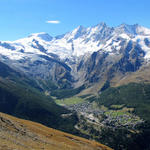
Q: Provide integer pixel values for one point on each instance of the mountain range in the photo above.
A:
(85, 56)
(93, 82)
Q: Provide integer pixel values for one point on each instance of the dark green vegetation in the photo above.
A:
(133, 95)
(65, 93)
(136, 96)
(20, 98)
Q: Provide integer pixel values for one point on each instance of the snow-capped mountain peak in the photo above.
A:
(99, 32)
(100, 26)
(42, 35)
(127, 29)
(76, 33)
(143, 30)
(80, 41)
(132, 29)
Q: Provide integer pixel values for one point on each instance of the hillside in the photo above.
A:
(21, 134)
(132, 95)
(21, 97)
(126, 116)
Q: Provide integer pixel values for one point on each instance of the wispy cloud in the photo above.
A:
(53, 21)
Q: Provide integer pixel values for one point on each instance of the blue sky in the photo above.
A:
(19, 18)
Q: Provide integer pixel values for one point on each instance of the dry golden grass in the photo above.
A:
(18, 134)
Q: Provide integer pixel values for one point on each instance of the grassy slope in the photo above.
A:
(24, 135)
(70, 101)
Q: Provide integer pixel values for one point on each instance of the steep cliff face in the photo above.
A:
(102, 67)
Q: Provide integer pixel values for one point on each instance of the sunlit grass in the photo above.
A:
(70, 101)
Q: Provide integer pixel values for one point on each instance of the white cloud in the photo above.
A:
(53, 21)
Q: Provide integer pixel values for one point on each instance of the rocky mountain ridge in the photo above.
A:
(84, 56)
